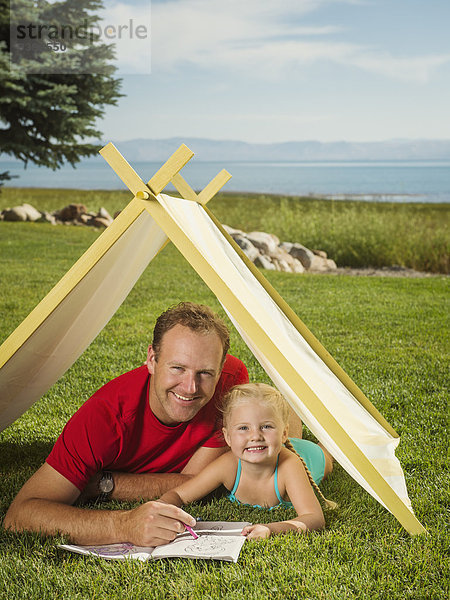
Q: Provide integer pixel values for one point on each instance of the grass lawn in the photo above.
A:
(353, 233)
(389, 334)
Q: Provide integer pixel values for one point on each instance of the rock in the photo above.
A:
(32, 213)
(247, 247)
(98, 222)
(24, 212)
(233, 231)
(104, 214)
(17, 213)
(85, 218)
(320, 253)
(265, 263)
(281, 265)
(47, 217)
(286, 246)
(321, 264)
(265, 242)
(301, 253)
(286, 261)
(297, 266)
(266, 251)
(71, 212)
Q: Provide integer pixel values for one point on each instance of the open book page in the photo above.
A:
(112, 551)
(217, 540)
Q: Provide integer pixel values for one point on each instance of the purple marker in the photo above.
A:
(191, 531)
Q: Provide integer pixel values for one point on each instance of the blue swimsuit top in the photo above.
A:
(232, 497)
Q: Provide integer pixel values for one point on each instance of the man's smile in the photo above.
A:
(184, 398)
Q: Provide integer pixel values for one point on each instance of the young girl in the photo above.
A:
(262, 470)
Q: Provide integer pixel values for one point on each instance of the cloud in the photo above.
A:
(415, 68)
(129, 28)
(267, 39)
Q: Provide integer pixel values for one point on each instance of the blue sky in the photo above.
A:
(278, 70)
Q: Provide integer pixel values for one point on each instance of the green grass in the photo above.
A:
(353, 233)
(389, 334)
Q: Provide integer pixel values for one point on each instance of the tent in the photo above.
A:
(48, 342)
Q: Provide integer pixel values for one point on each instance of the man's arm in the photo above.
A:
(44, 504)
(138, 486)
(134, 486)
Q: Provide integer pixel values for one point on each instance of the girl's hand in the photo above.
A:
(256, 532)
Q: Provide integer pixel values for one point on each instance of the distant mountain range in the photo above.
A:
(223, 150)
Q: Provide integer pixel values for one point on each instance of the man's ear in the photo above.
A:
(151, 360)
(226, 436)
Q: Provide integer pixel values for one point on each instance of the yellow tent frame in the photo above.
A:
(37, 327)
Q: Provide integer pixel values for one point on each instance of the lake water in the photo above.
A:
(394, 181)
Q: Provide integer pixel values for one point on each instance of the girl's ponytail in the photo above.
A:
(328, 503)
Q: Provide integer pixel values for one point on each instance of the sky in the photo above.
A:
(266, 71)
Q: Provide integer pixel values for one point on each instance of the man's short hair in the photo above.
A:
(198, 317)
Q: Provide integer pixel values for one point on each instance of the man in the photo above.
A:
(140, 435)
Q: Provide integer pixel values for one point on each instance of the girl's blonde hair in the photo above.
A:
(269, 396)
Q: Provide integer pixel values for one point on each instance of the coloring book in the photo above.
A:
(216, 540)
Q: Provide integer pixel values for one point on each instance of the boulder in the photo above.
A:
(265, 263)
(85, 218)
(233, 231)
(98, 222)
(320, 253)
(104, 214)
(297, 266)
(285, 261)
(24, 212)
(301, 253)
(32, 213)
(247, 247)
(47, 217)
(321, 264)
(265, 242)
(266, 251)
(281, 265)
(16, 213)
(72, 212)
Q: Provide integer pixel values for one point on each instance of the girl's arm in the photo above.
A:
(298, 487)
(209, 479)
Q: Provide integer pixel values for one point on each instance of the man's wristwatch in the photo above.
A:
(105, 486)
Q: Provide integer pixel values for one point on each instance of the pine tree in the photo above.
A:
(50, 101)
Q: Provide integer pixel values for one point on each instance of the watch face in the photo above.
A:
(106, 485)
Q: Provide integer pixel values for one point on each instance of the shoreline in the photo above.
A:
(363, 198)
(372, 181)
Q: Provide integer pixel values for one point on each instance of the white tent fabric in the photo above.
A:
(69, 329)
(377, 444)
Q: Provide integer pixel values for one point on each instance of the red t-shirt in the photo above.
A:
(116, 429)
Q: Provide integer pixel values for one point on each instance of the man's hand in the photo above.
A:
(45, 504)
(153, 523)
